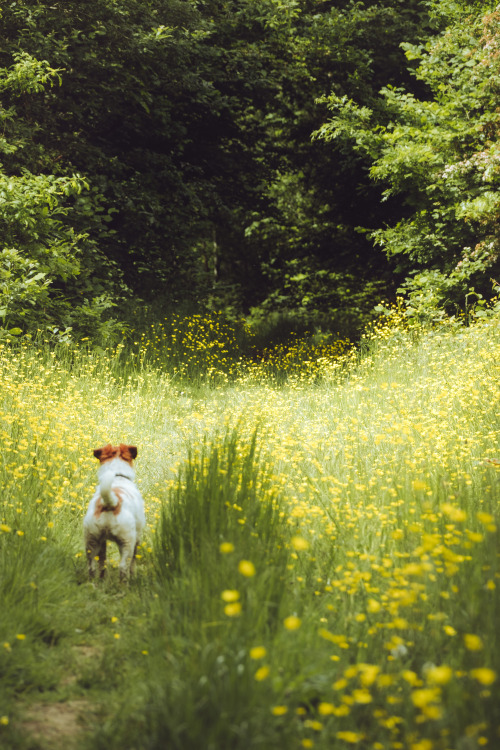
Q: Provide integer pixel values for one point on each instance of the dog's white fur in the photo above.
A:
(116, 511)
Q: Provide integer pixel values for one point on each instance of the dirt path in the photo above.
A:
(63, 724)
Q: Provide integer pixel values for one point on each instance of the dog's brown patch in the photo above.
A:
(115, 509)
(108, 452)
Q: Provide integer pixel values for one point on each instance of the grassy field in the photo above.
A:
(321, 567)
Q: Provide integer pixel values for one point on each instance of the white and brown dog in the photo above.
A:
(116, 511)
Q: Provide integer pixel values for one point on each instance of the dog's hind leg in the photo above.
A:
(102, 557)
(92, 550)
(127, 552)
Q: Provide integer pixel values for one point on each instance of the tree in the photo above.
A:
(293, 242)
(438, 152)
(188, 123)
(120, 111)
(37, 248)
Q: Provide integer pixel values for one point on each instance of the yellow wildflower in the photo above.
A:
(233, 609)
(279, 710)
(419, 485)
(369, 674)
(313, 724)
(299, 543)
(324, 709)
(262, 673)
(484, 675)
(230, 595)
(456, 514)
(473, 642)
(439, 675)
(292, 622)
(351, 737)
(246, 568)
(421, 745)
(421, 698)
(362, 696)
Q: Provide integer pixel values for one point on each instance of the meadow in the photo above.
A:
(321, 567)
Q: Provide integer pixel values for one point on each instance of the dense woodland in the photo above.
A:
(304, 157)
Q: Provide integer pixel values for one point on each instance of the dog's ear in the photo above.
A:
(106, 451)
(128, 452)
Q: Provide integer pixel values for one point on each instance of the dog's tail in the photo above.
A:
(109, 498)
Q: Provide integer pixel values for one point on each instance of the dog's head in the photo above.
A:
(125, 452)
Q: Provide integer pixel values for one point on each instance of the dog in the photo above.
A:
(116, 511)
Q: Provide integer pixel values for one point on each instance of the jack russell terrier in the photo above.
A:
(116, 511)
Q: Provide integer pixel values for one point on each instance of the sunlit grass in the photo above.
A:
(321, 565)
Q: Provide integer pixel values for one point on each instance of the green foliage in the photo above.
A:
(223, 497)
(188, 124)
(323, 299)
(44, 262)
(28, 75)
(161, 151)
(79, 181)
(438, 151)
(38, 251)
(315, 196)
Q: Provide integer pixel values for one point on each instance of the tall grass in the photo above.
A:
(220, 554)
(321, 567)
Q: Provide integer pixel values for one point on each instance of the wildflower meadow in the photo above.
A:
(321, 566)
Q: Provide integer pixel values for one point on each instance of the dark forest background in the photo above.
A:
(302, 158)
